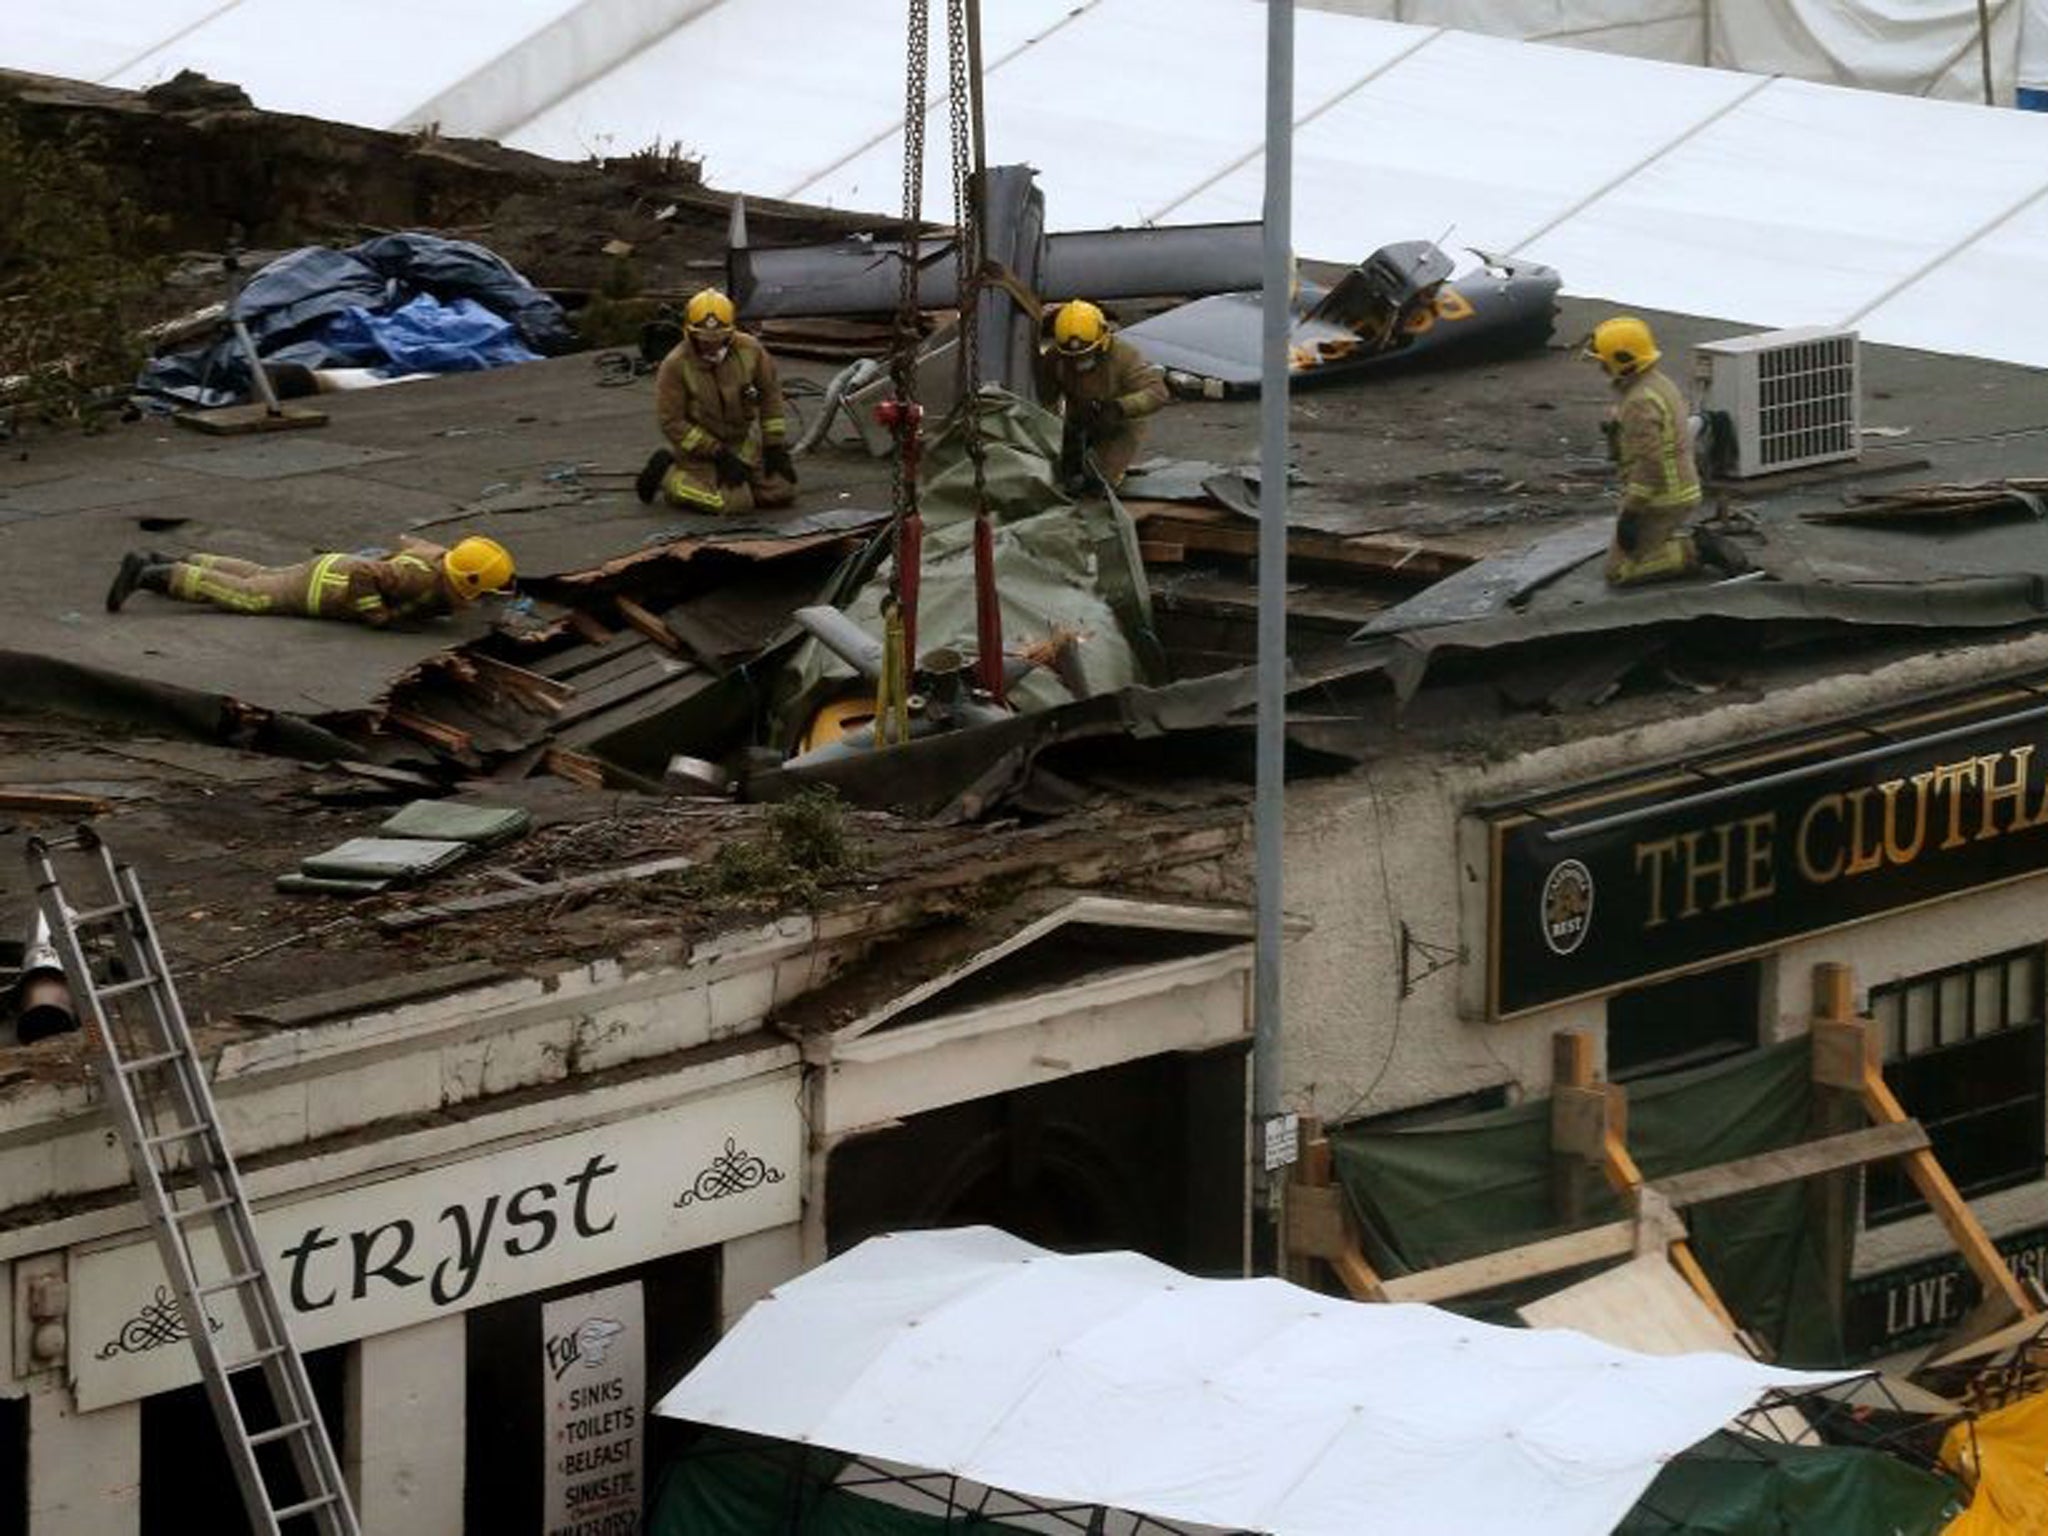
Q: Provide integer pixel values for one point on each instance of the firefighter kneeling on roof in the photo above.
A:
(1649, 433)
(1106, 389)
(720, 407)
(419, 581)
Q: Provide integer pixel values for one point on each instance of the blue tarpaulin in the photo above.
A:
(405, 303)
(423, 335)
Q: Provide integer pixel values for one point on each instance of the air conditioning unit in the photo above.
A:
(1781, 400)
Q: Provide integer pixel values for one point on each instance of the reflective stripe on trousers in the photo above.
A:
(325, 578)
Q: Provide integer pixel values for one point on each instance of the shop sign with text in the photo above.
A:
(594, 1379)
(1915, 1305)
(1646, 881)
(385, 1255)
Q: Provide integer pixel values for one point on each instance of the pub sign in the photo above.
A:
(1918, 1304)
(1715, 858)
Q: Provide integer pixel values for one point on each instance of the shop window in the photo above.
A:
(1963, 1050)
(1686, 1022)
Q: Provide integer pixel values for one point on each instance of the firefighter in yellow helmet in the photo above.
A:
(1105, 388)
(1649, 434)
(719, 404)
(417, 581)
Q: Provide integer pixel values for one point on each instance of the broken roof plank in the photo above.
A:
(492, 901)
(1211, 530)
(603, 732)
(655, 669)
(617, 662)
(649, 624)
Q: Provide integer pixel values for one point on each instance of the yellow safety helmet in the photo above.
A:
(477, 565)
(709, 312)
(1079, 328)
(1623, 346)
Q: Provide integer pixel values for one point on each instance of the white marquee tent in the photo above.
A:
(1759, 200)
(1112, 1380)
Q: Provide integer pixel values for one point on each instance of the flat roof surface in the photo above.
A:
(1466, 462)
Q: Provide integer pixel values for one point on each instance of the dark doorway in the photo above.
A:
(502, 1488)
(188, 1483)
(1685, 1022)
(1148, 1156)
(13, 1466)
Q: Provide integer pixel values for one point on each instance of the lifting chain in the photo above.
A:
(902, 414)
(970, 187)
(903, 356)
(963, 90)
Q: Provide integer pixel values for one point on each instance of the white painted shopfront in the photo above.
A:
(390, 1253)
(505, 1210)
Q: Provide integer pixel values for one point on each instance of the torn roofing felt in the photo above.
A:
(960, 775)
(1975, 602)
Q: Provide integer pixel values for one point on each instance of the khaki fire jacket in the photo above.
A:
(396, 589)
(1123, 376)
(1653, 445)
(703, 407)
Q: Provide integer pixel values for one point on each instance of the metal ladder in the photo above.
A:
(156, 1090)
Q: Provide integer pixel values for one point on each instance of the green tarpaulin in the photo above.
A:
(1063, 568)
(738, 1491)
(1729, 1487)
(1724, 1486)
(1438, 1193)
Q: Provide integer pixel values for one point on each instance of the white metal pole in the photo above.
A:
(1269, 804)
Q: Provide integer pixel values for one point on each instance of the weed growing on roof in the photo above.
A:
(73, 275)
(750, 867)
(801, 847)
(659, 164)
(811, 828)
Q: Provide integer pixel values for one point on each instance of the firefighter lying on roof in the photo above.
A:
(420, 581)
(719, 404)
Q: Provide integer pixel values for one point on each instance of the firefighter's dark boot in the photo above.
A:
(652, 473)
(1720, 553)
(127, 579)
(141, 571)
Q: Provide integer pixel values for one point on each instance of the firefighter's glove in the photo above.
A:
(1611, 430)
(1104, 416)
(775, 460)
(730, 468)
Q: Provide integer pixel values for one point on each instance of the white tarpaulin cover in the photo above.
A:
(1757, 200)
(1920, 47)
(1113, 1380)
